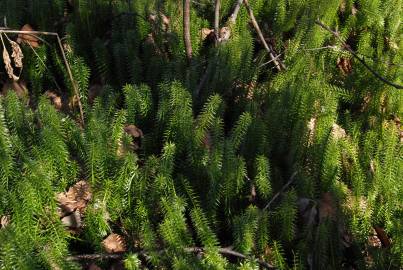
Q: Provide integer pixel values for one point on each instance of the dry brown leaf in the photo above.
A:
(17, 54)
(133, 131)
(383, 237)
(344, 65)
(26, 38)
(55, 99)
(373, 240)
(225, 33)
(7, 64)
(338, 132)
(205, 32)
(114, 243)
(19, 87)
(72, 221)
(76, 199)
(4, 222)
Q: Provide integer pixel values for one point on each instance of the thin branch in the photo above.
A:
(292, 178)
(95, 257)
(234, 14)
(362, 61)
(186, 29)
(279, 65)
(207, 72)
(268, 62)
(73, 82)
(227, 251)
(217, 20)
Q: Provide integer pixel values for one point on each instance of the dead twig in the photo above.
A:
(227, 251)
(234, 15)
(279, 65)
(355, 55)
(73, 82)
(292, 178)
(186, 29)
(217, 20)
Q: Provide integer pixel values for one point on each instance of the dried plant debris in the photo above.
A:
(17, 54)
(55, 99)
(28, 38)
(73, 221)
(8, 66)
(114, 243)
(134, 131)
(4, 222)
(75, 199)
(338, 132)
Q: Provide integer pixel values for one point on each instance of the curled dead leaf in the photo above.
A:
(28, 38)
(133, 131)
(338, 132)
(17, 54)
(55, 99)
(8, 66)
(75, 199)
(205, 32)
(225, 33)
(345, 66)
(4, 222)
(72, 221)
(114, 243)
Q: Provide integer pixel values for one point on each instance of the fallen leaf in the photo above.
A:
(133, 131)
(76, 198)
(344, 65)
(72, 221)
(27, 38)
(114, 243)
(225, 33)
(55, 99)
(4, 222)
(8, 66)
(383, 237)
(205, 32)
(19, 87)
(338, 132)
(17, 54)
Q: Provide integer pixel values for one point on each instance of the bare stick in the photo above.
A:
(227, 251)
(217, 20)
(73, 82)
(186, 29)
(362, 61)
(279, 65)
(234, 14)
(292, 178)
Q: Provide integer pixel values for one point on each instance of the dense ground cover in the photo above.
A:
(201, 134)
